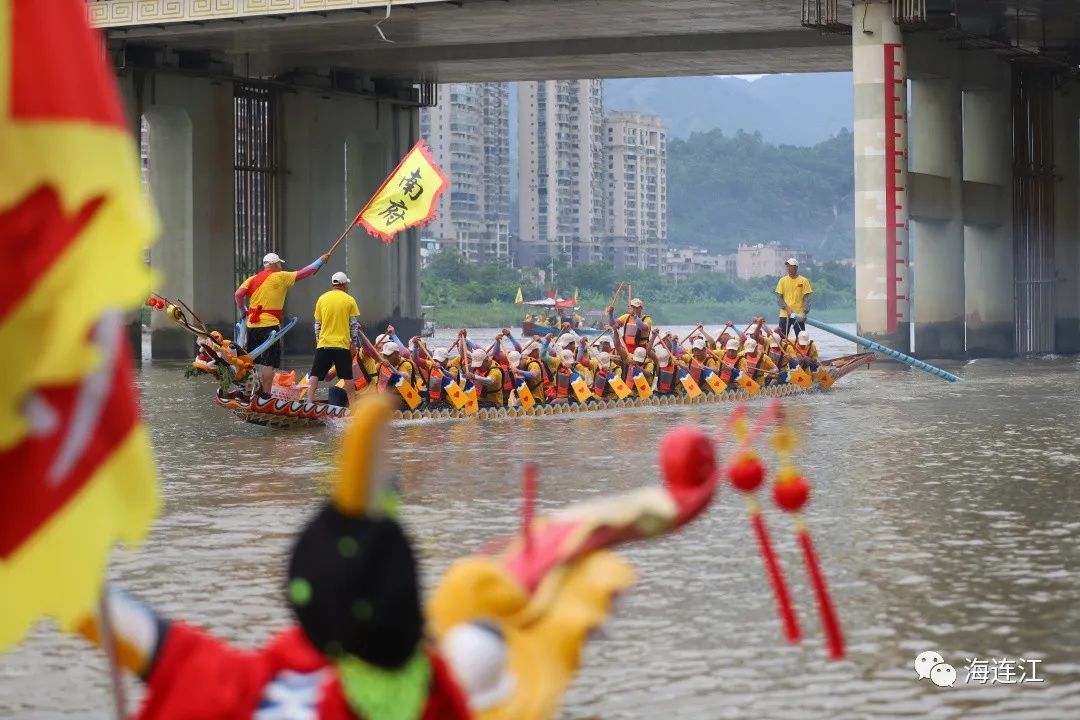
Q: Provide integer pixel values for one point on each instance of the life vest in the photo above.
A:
(435, 384)
(635, 332)
(727, 370)
(600, 382)
(777, 356)
(752, 364)
(665, 379)
(805, 353)
(257, 311)
(696, 370)
(508, 380)
(491, 393)
(541, 379)
(562, 382)
(385, 373)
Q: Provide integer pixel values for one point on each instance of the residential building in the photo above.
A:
(562, 172)
(765, 260)
(636, 190)
(680, 263)
(469, 136)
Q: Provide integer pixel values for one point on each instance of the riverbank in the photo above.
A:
(497, 314)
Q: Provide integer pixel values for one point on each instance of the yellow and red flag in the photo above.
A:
(407, 198)
(74, 222)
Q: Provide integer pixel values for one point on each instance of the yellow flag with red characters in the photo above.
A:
(407, 392)
(641, 384)
(619, 387)
(74, 223)
(407, 198)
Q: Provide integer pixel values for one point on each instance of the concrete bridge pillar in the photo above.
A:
(881, 234)
(190, 123)
(988, 252)
(1066, 220)
(937, 225)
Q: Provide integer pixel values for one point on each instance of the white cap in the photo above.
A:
(389, 348)
(477, 656)
(752, 330)
(792, 261)
(698, 344)
(640, 354)
(440, 354)
(636, 302)
(774, 342)
(751, 345)
(662, 354)
(804, 338)
(380, 339)
(732, 344)
(340, 278)
(271, 258)
(604, 359)
(478, 358)
(514, 357)
(605, 339)
(567, 339)
(567, 357)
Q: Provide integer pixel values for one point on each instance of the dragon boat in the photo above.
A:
(284, 413)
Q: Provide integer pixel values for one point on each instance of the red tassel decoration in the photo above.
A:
(528, 505)
(830, 625)
(776, 575)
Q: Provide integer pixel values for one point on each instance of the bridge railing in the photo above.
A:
(124, 13)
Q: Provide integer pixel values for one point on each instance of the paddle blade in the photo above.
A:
(454, 394)
(824, 378)
(472, 402)
(748, 384)
(641, 384)
(715, 383)
(580, 387)
(621, 389)
(800, 377)
(408, 392)
(691, 387)
(524, 395)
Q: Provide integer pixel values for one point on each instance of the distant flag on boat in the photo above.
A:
(407, 198)
(641, 383)
(74, 223)
(519, 299)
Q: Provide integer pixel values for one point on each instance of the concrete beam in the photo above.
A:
(929, 197)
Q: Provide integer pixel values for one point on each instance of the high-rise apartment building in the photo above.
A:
(636, 189)
(469, 136)
(562, 174)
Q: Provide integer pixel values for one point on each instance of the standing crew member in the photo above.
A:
(793, 296)
(261, 298)
(635, 325)
(336, 326)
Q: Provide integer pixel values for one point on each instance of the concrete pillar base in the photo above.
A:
(171, 343)
(991, 339)
(899, 340)
(1067, 336)
(940, 339)
(134, 336)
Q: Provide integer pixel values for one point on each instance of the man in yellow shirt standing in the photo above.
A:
(793, 296)
(336, 323)
(261, 298)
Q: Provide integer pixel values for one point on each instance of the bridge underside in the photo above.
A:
(490, 40)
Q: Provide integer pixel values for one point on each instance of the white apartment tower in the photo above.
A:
(561, 170)
(636, 190)
(469, 136)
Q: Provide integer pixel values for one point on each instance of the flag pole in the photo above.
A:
(108, 642)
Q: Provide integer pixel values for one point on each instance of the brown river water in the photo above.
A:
(947, 517)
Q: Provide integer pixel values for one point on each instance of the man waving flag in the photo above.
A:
(78, 469)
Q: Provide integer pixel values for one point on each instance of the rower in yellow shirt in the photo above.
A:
(337, 322)
(793, 293)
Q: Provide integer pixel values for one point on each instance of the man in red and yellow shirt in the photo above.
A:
(261, 298)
